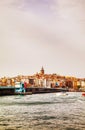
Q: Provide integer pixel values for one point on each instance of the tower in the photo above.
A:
(42, 71)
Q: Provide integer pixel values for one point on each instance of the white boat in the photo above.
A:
(61, 94)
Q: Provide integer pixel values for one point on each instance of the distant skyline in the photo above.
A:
(48, 33)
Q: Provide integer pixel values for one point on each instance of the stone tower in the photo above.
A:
(42, 71)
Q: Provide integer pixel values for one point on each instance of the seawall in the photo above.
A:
(38, 90)
(7, 91)
(11, 90)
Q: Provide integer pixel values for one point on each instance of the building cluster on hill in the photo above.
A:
(45, 80)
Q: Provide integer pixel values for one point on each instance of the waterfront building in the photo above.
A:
(45, 80)
(78, 82)
(41, 82)
(12, 82)
(31, 82)
(82, 85)
(75, 84)
(44, 83)
(17, 85)
(49, 83)
(0, 82)
(36, 82)
(8, 82)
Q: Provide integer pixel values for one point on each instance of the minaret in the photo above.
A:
(42, 71)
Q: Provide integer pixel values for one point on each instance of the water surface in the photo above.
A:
(43, 112)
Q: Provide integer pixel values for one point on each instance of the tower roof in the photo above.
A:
(42, 68)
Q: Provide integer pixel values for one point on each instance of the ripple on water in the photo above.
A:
(45, 112)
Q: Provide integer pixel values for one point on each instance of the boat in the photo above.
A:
(83, 94)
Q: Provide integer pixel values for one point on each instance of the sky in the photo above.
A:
(48, 33)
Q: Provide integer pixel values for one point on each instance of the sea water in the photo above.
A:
(51, 111)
